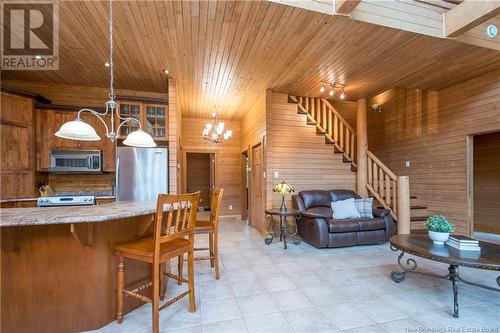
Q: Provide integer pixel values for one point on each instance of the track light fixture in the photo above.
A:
(333, 86)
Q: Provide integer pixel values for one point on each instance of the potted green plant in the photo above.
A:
(439, 229)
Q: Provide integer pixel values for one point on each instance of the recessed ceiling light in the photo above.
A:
(106, 64)
(38, 57)
(166, 71)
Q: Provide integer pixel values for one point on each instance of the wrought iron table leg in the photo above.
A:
(270, 230)
(453, 269)
(284, 229)
(398, 276)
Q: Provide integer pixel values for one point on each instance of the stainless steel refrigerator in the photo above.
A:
(141, 173)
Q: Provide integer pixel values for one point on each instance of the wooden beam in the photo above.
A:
(345, 6)
(469, 14)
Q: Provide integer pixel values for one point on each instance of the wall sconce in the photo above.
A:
(377, 108)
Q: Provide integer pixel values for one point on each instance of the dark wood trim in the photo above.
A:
(13, 123)
(36, 97)
(60, 107)
(142, 99)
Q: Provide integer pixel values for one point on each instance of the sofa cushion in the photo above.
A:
(377, 223)
(321, 212)
(315, 198)
(347, 225)
(336, 195)
(364, 207)
(345, 209)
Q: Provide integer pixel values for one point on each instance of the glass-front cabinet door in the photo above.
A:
(129, 110)
(154, 118)
(156, 124)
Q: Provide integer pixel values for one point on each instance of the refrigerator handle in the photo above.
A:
(117, 177)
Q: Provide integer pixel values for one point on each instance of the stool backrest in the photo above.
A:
(175, 217)
(215, 205)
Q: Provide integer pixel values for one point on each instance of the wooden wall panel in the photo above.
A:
(430, 130)
(347, 109)
(227, 159)
(174, 135)
(253, 125)
(298, 154)
(487, 182)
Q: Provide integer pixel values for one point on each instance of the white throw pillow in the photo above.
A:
(345, 209)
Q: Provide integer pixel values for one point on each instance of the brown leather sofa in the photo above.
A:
(317, 227)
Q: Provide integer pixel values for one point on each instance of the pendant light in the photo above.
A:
(79, 130)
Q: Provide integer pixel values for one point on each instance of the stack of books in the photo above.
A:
(463, 243)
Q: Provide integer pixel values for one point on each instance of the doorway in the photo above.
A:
(486, 183)
(256, 193)
(200, 176)
(244, 185)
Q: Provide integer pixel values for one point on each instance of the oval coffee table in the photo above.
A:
(422, 246)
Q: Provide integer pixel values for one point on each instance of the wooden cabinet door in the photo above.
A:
(49, 122)
(17, 146)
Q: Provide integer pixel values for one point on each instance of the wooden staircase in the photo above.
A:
(331, 124)
(382, 183)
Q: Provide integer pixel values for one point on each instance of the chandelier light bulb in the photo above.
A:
(332, 92)
(322, 89)
(342, 96)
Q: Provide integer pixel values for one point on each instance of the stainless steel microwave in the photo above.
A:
(76, 161)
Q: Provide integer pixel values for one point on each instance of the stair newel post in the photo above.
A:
(362, 148)
(403, 205)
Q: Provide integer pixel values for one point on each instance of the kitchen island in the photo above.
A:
(59, 267)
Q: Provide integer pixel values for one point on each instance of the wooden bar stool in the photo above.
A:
(210, 227)
(173, 236)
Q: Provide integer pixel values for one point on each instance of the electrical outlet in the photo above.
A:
(276, 174)
(407, 164)
(230, 207)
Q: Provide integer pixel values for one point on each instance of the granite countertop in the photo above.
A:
(11, 217)
(35, 199)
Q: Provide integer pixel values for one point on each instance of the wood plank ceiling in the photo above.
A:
(230, 52)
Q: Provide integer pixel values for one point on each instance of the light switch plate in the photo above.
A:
(276, 174)
(407, 164)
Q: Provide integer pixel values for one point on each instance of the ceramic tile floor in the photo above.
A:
(304, 289)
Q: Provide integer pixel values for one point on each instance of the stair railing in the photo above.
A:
(331, 123)
(391, 191)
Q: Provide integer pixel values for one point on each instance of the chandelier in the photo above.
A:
(79, 130)
(214, 131)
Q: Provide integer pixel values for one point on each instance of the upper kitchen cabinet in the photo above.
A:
(153, 116)
(48, 123)
(18, 147)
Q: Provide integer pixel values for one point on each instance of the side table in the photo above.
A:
(282, 218)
